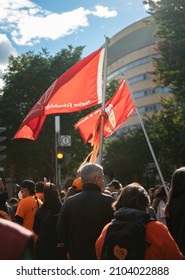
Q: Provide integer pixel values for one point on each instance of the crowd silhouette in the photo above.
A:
(88, 220)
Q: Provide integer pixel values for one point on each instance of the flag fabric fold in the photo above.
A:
(77, 89)
(117, 110)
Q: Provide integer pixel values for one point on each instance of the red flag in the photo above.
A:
(77, 89)
(118, 109)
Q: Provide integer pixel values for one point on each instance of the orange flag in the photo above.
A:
(117, 110)
(77, 89)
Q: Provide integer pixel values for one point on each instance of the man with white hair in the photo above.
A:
(83, 215)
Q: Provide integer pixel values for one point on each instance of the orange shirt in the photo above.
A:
(40, 195)
(162, 245)
(26, 209)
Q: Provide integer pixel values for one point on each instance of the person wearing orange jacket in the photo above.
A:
(132, 234)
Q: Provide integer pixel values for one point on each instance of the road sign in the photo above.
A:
(65, 140)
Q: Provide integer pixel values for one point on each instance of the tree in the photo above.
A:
(167, 128)
(28, 76)
(167, 131)
(169, 18)
(127, 157)
(111, 89)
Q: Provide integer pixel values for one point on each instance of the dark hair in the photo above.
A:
(116, 184)
(30, 185)
(51, 197)
(132, 196)
(39, 186)
(178, 181)
(68, 183)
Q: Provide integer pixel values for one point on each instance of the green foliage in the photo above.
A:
(170, 34)
(167, 128)
(127, 157)
(111, 89)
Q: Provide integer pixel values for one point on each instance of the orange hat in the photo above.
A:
(77, 183)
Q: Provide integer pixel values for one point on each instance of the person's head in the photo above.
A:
(178, 182)
(160, 192)
(77, 184)
(68, 183)
(62, 195)
(39, 187)
(92, 173)
(114, 186)
(151, 192)
(51, 196)
(27, 188)
(133, 196)
(14, 203)
(75, 188)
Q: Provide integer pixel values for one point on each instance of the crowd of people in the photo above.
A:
(90, 221)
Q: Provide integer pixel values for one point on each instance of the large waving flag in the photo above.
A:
(117, 110)
(77, 89)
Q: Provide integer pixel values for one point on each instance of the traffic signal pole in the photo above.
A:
(57, 139)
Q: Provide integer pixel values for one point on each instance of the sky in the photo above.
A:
(27, 25)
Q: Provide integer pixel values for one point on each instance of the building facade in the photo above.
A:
(130, 55)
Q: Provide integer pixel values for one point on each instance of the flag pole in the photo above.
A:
(148, 142)
(103, 103)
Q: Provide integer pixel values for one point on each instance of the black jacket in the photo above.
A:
(82, 219)
(176, 220)
(48, 246)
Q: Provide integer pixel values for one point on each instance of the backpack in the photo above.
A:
(126, 239)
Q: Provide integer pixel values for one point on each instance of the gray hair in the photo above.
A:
(90, 171)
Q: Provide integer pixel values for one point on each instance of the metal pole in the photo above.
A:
(57, 135)
(59, 166)
(152, 152)
(56, 168)
(148, 142)
(103, 102)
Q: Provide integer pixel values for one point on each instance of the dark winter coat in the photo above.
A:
(82, 219)
(176, 220)
(48, 246)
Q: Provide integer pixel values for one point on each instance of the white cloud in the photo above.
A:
(101, 11)
(28, 22)
(53, 26)
(6, 49)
